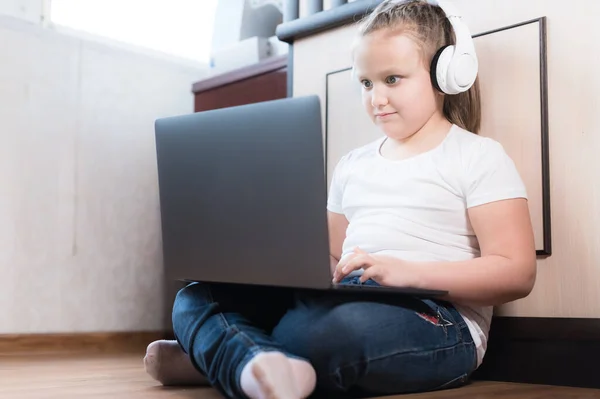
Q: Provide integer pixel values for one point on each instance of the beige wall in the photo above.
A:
(80, 245)
(568, 282)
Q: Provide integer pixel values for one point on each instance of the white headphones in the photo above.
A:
(454, 68)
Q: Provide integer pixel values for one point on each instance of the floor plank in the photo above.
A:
(123, 377)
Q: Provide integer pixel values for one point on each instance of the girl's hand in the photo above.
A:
(385, 270)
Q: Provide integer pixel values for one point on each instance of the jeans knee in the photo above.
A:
(331, 343)
(193, 292)
(189, 301)
(339, 358)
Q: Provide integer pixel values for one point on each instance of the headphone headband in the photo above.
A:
(454, 68)
(464, 40)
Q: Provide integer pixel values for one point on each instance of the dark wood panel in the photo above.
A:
(265, 87)
(554, 351)
(545, 328)
(268, 65)
(114, 342)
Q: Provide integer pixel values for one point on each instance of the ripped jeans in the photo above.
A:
(359, 344)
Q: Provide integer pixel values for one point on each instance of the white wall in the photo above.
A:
(80, 245)
(27, 10)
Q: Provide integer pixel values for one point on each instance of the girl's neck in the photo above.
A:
(425, 139)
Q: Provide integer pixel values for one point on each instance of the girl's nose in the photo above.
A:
(378, 98)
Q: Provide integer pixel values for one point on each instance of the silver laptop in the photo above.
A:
(243, 197)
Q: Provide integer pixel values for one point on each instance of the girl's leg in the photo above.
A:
(377, 345)
(226, 329)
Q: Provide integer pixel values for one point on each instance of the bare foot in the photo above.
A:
(272, 375)
(167, 363)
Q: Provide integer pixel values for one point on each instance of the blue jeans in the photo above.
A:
(359, 344)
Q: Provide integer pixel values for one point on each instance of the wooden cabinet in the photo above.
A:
(264, 81)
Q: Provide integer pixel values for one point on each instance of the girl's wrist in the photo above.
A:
(415, 271)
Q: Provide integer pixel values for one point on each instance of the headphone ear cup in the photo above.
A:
(439, 68)
(433, 68)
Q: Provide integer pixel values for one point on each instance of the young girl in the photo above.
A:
(430, 205)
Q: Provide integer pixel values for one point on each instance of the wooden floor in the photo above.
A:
(123, 377)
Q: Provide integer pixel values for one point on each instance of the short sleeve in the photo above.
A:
(336, 188)
(491, 175)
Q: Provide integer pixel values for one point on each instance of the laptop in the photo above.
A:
(243, 197)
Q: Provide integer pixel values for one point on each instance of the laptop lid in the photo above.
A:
(243, 194)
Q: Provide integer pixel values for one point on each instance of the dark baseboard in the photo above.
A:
(109, 342)
(552, 351)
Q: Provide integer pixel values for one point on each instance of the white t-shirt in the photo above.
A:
(416, 209)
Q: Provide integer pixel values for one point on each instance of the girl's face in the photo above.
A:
(396, 87)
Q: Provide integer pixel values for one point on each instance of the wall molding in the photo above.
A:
(546, 249)
(115, 342)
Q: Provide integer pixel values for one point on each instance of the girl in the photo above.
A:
(429, 205)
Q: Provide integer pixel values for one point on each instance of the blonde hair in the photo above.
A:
(428, 26)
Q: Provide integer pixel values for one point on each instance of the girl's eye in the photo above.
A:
(392, 80)
(366, 83)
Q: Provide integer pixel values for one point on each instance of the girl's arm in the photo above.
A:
(506, 270)
(337, 224)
